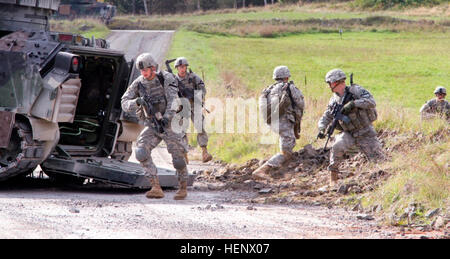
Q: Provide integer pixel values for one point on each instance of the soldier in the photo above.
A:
(160, 92)
(438, 106)
(193, 82)
(290, 111)
(358, 130)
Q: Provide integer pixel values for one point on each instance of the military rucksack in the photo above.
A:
(266, 102)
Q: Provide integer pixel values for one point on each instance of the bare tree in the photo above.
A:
(198, 5)
(243, 3)
(235, 4)
(134, 7)
(265, 2)
(145, 7)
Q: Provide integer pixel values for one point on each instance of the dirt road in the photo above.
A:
(40, 209)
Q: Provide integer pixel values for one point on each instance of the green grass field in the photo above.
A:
(402, 68)
(84, 27)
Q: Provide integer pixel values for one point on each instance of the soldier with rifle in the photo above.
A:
(351, 110)
(282, 108)
(437, 107)
(192, 87)
(154, 96)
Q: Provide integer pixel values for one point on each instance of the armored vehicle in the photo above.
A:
(83, 8)
(60, 102)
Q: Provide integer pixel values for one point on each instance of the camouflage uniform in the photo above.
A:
(193, 81)
(149, 137)
(359, 132)
(286, 121)
(436, 107)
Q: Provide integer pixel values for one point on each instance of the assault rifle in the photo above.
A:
(150, 113)
(337, 114)
(169, 69)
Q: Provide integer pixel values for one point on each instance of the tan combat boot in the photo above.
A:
(182, 191)
(262, 172)
(156, 191)
(334, 177)
(205, 155)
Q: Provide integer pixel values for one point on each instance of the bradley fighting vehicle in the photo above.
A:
(92, 8)
(60, 102)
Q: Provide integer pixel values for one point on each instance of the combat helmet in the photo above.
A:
(440, 90)
(181, 61)
(281, 72)
(146, 60)
(335, 75)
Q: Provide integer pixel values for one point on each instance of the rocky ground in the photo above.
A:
(304, 180)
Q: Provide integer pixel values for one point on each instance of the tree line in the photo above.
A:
(150, 7)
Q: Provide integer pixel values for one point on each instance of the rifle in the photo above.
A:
(297, 120)
(149, 112)
(337, 115)
(169, 69)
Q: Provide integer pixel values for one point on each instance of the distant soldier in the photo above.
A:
(357, 131)
(152, 97)
(437, 106)
(193, 83)
(286, 100)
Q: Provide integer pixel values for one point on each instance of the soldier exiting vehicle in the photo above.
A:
(354, 119)
(152, 97)
(282, 106)
(189, 81)
(437, 106)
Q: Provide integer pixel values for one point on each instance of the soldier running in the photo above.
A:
(193, 82)
(290, 111)
(358, 130)
(157, 92)
(437, 107)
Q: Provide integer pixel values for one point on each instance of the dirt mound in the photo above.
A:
(304, 179)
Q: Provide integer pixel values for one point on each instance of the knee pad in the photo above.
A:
(142, 154)
(179, 163)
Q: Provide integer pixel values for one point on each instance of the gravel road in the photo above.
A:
(37, 208)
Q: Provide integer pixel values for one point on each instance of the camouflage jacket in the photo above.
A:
(434, 107)
(363, 101)
(193, 81)
(153, 88)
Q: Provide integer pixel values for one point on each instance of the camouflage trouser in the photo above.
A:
(366, 141)
(287, 142)
(149, 139)
(202, 136)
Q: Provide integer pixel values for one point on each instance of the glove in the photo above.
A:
(140, 101)
(348, 108)
(321, 135)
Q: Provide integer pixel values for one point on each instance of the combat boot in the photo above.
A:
(182, 191)
(334, 172)
(262, 173)
(205, 155)
(156, 191)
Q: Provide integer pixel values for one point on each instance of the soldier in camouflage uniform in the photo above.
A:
(289, 116)
(192, 81)
(359, 131)
(162, 90)
(437, 106)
